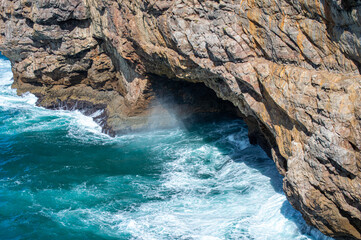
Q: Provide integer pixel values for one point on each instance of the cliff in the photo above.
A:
(292, 68)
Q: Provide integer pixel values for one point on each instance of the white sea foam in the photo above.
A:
(212, 197)
(33, 118)
(203, 193)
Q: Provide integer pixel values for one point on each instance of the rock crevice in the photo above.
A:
(291, 68)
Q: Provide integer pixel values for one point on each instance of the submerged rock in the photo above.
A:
(292, 68)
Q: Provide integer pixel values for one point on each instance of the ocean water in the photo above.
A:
(61, 178)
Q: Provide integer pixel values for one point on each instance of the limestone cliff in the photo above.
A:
(291, 67)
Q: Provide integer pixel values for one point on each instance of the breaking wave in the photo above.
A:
(61, 178)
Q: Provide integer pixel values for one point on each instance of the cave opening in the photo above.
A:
(193, 103)
(189, 102)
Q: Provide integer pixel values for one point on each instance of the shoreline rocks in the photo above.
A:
(291, 68)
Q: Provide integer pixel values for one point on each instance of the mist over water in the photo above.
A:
(61, 178)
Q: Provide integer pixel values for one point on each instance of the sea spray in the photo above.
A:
(61, 178)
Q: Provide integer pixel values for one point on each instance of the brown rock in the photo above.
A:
(290, 67)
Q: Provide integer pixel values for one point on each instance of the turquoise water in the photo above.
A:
(61, 178)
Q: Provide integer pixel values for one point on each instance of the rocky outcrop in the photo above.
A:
(292, 68)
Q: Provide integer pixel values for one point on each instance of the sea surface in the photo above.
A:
(61, 178)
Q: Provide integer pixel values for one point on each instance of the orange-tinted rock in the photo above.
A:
(291, 67)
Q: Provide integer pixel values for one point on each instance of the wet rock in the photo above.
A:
(292, 68)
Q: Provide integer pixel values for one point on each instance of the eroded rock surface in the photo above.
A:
(291, 67)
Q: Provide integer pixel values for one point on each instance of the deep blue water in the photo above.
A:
(61, 178)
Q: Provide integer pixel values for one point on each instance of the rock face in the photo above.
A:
(292, 68)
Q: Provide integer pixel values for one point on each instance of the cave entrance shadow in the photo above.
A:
(195, 103)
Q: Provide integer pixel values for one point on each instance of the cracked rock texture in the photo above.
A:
(292, 68)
